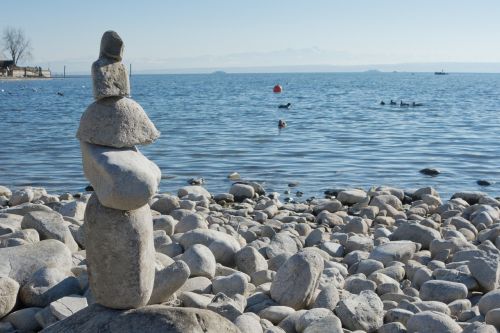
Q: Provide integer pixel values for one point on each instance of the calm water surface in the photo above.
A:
(337, 136)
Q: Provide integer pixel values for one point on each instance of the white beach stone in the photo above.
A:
(330, 324)
(166, 204)
(400, 251)
(50, 225)
(122, 178)
(351, 197)
(230, 285)
(47, 285)
(417, 233)
(198, 284)
(297, 279)
(21, 262)
(5, 191)
(249, 260)
(191, 222)
(248, 324)
(432, 322)
(168, 280)
(222, 245)
(21, 196)
(276, 313)
(489, 301)
(310, 317)
(193, 189)
(67, 306)
(74, 209)
(120, 255)
(8, 295)
(361, 312)
(200, 260)
(225, 306)
(242, 191)
(117, 122)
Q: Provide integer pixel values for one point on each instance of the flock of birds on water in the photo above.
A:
(402, 104)
(282, 123)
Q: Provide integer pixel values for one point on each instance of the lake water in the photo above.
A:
(337, 136)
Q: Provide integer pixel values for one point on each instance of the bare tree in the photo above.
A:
(16, 44)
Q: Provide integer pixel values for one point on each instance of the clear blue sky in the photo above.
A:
(162, 34)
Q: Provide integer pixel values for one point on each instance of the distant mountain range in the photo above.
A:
(139, 68)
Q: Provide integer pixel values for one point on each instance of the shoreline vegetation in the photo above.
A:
(389, 258)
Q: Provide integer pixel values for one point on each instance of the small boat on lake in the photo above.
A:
(441, 73)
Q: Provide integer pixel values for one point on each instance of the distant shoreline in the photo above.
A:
(3, 78)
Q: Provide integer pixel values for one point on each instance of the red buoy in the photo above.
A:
(277, 89)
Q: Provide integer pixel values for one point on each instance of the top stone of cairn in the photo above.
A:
(109, 76)
(111, 46)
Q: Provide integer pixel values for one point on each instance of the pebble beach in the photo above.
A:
(381, 260)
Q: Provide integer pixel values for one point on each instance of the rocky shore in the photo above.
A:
(125, 258)
(382, 260)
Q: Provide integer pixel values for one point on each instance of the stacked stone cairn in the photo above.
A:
(118, 228)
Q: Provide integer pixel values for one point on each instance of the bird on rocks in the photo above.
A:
(196, 181)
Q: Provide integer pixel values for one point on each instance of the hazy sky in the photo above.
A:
(168, 34)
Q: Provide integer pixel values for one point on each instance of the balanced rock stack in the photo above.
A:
(118, 228)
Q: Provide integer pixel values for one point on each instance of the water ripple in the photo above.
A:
(337, 134)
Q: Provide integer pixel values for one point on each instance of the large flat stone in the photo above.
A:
(120, 255)
(122, 178)
(116, 122)
(154, 318)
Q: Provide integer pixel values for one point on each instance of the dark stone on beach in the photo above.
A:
(89, 188)
(407, 200)
(483, 182)
(334, 191)
(430, 172)
(472, 197)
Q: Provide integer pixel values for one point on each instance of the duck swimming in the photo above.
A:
(416, 104)
(404, 104)
(281, 123)
(392, 102)
(285, 106)
(382, 103)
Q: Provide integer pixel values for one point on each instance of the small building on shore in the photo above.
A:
(8, 69)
